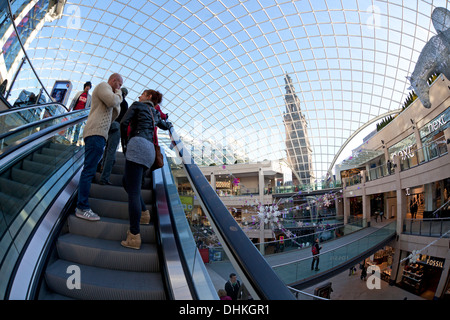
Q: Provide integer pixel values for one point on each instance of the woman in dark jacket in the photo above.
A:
(138, 147)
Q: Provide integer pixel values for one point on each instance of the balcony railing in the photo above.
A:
(439, 226)
(430, 151)
(427, 227)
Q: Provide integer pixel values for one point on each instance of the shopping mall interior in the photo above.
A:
(293, 123)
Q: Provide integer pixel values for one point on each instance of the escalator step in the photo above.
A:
(118, 169)
(104, 284)
(9, 205)
(107, 254)
(116, 180)
(108, 229)
(46, 159)
(54, 152)
(26, 177)
(16, 189)
(115, 193)
(61, 146)
(34, 167)
(111, 209)
(108, 192)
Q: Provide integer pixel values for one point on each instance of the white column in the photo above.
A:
(402, 201)
(213, 181)
(346, 208)
(261, 195)
(261, 185)
(365, 200)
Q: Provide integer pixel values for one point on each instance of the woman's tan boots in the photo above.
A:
(133, 241)
(145, 217)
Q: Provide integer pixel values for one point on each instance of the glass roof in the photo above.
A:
(221, 65)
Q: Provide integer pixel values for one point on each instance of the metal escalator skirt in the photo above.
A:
(175, 229)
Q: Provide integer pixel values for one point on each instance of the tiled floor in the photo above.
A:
(347, 287)
(344, 287)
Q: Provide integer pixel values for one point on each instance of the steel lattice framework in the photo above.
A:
(221, 65)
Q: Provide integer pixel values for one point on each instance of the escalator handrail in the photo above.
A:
(5, 156)
(175, 230)
(7, 104)
(29, 125)
(172, 269)
(34, 106)
(244, 256)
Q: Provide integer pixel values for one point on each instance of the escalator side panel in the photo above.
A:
(197, 276)
(31, 178)
(29, 217)
(23, 286)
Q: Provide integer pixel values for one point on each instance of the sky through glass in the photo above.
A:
(221, 65)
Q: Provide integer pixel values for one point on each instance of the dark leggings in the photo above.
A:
(132, 180)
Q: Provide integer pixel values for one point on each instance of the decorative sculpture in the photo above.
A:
(435, 56)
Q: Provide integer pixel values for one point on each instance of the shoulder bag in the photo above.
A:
(159, 159)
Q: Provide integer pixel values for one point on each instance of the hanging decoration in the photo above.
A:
(274, 214)
(415, 254)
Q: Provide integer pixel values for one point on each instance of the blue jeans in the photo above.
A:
(93, 151)
(110, 151)
(132, 180)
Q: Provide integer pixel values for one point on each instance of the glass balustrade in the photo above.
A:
(13, 119)
(428, 152)
(8, 141)
(325, 232)
(20, 83)
(432, 227)
(27, 186)
(427, 227)
(299, 270)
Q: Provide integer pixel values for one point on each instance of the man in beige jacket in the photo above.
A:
(105, 107)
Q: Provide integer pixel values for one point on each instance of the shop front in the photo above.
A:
(377, 205)
(383, 259)
(422, 276)
(432, 135)
(356, 206)
(406, 150)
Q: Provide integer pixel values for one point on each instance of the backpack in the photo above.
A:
(314, 249)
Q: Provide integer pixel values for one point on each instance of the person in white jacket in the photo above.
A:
(105, 108)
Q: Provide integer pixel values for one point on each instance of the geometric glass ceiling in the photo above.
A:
(221, 65)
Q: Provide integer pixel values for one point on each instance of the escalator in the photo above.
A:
(48, 253)
(109, 271)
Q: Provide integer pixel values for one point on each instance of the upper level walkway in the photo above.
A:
(294, 267)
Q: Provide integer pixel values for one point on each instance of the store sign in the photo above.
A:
(434, 262)
(223, 184)
(436, 124)
(404, 153)
(187, 202)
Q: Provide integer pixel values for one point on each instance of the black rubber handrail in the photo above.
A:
(244, 256)
(31, 124)
(42, 133)
(34, 106)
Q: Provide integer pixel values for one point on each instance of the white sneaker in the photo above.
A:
(87, 214)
